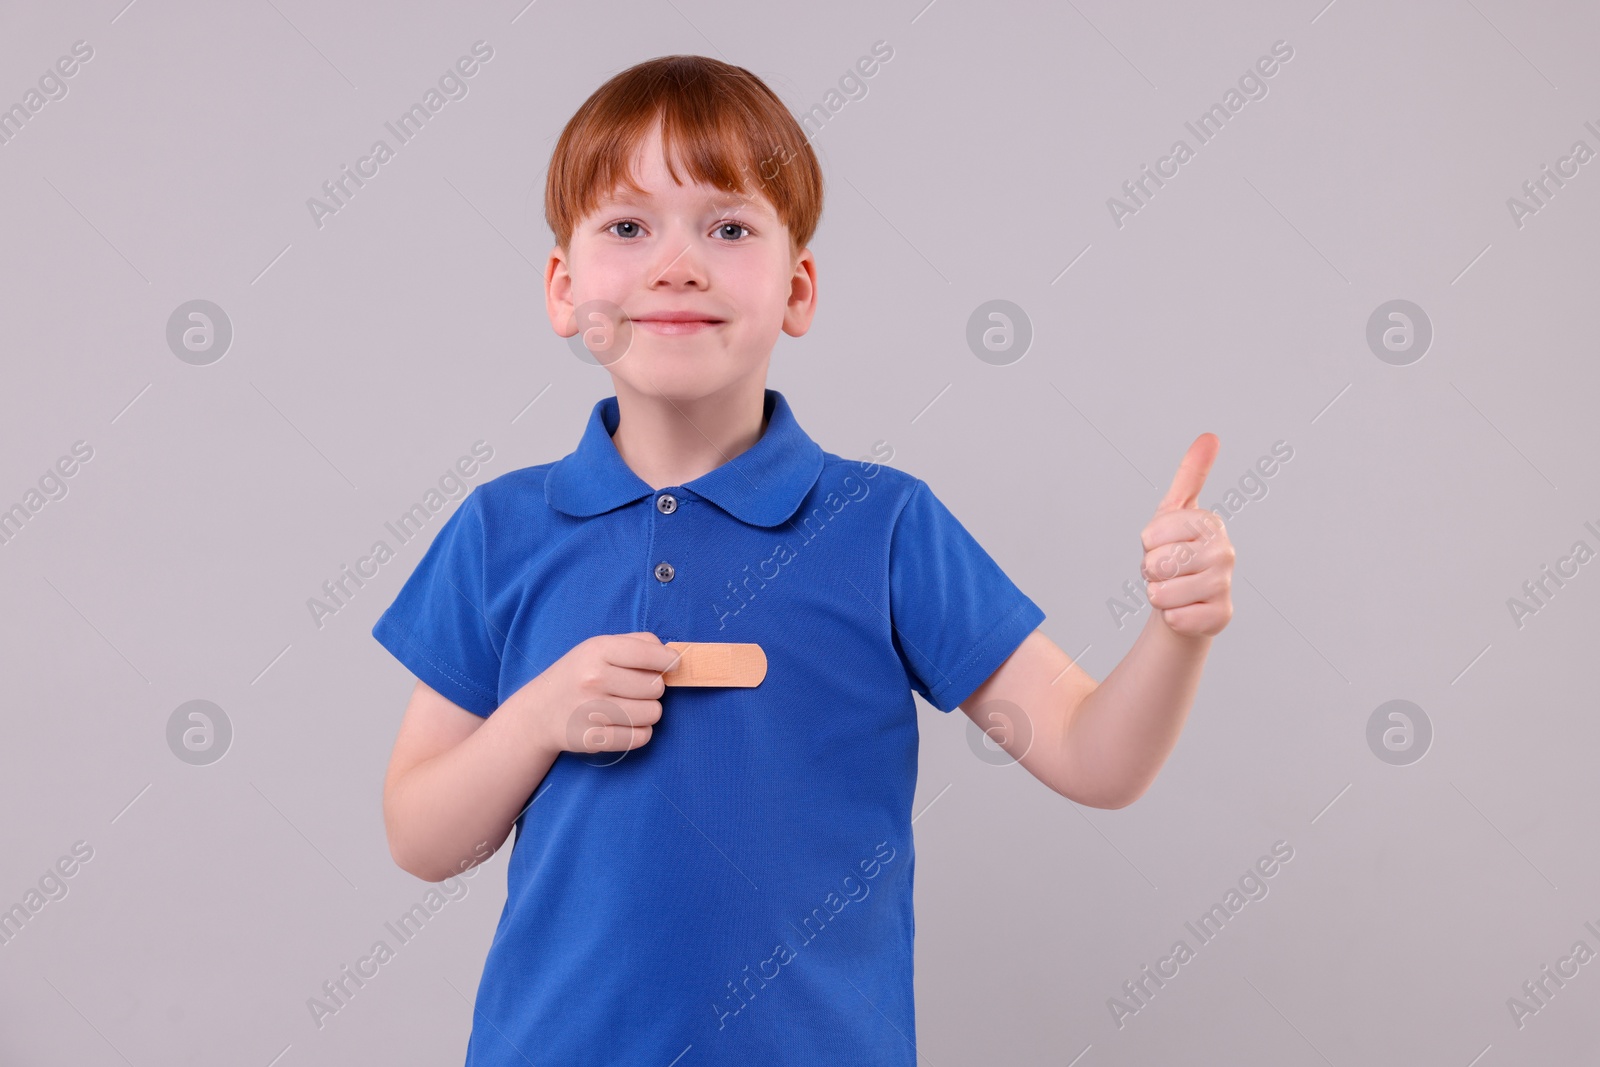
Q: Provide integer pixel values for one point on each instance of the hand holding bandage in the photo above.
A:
(604, 695)
(1188, 559)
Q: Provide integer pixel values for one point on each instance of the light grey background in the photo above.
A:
(370, 353)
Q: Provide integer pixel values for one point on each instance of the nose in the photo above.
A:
(683, 266)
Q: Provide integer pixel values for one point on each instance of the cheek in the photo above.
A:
(602, 273)
(760, 300)
(600, 277)
(778, 290)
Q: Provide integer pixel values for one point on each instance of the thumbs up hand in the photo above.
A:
(1188, 559)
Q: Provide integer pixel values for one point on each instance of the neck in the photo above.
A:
(674, 441)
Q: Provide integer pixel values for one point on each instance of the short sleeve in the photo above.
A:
(437, 625)
(956, 614)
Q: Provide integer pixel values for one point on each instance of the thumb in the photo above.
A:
(1186, 484)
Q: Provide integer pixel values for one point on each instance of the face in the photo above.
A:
(717, 255)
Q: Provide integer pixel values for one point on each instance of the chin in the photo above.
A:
(678, 387)
(676, 379)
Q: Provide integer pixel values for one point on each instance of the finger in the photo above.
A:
(643, 651)
(1185, 590)
(1191, 476)
(633, 682)
(1199, 620)
(1184, 524)
(621, 711)
(614, 738)
(605, 725)
(1166, 562)
(1195, 619)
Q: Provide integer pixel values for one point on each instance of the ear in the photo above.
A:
(802, 303)
(558, 293)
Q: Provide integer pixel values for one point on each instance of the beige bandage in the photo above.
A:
(716, 663)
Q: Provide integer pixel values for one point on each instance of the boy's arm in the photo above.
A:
(1102, 744)
(1098, 743)
(457, 782)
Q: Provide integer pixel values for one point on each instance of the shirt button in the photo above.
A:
(664, 572)
(666, 503)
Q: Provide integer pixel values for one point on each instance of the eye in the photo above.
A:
(738, 230)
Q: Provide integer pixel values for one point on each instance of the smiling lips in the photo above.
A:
(674, 323)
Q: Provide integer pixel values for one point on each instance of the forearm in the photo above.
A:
(455, 810)
(1123, 731)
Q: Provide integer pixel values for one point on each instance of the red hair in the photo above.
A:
(721, 123)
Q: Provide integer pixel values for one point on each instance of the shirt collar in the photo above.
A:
(763, 485)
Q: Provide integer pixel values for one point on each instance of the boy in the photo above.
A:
(723, 875)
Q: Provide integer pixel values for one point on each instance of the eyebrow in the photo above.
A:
(722, 201)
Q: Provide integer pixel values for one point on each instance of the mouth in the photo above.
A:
(675, 327)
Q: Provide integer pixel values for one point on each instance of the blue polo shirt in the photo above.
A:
(737, 890)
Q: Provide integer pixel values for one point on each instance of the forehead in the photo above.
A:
(648, 168)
